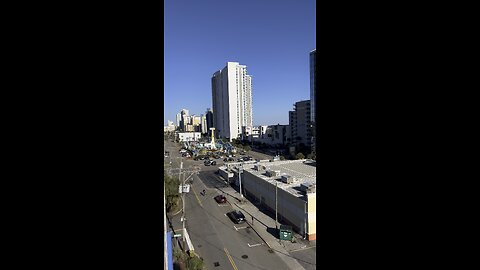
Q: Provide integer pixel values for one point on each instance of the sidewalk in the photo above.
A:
(264, 226)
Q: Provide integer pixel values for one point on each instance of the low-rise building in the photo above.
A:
(289, 186)
(189, 136)
(170, 127)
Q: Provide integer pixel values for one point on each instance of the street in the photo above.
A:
(220, 242)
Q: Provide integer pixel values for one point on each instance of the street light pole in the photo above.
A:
(240, 170)
(276, 209)
(183, 206)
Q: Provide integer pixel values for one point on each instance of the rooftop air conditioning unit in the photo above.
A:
(272, 173)
(287, 179)
(307, 186)
(259, 167)
(311, 189)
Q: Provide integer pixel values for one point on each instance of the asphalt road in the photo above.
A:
(221, 243)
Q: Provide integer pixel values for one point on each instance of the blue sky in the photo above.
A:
(273, 38)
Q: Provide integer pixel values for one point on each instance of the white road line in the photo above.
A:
(303, 248)
(235, 228)
(254, 245)
(240, 228)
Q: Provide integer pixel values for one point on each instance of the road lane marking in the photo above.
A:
(230, 259)
(300, 249)
(240, 227)
(254, 245)
(196, 196)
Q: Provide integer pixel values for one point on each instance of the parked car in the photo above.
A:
(236, 216)
(210, 162)
(220, 199)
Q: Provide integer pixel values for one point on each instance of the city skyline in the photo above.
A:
(273, 42)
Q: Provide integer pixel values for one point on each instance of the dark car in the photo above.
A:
(209, 162)
(220, 199)
(236, 216)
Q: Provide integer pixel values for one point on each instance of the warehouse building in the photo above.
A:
(290, 185)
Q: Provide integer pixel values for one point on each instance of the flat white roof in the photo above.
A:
(304, 172)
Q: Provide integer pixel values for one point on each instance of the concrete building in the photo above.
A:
(170, 127)
(313, 85)
(203, 125)
(313, 93)
(271, 135)
(300, 124)
(289, 186)
(184, 119)
(209, 116)
(189, 136)
(232, 100)
(179, 119)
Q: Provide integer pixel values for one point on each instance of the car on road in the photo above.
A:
(220, 199)
(236, 216)
(228, 159)
(210, 162)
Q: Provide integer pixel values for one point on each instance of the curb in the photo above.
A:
(172, 215)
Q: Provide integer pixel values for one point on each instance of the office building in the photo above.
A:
(203, 125)
(313, 84)
(209, 116)
(313, 94)
(232, 100)
(300, 124)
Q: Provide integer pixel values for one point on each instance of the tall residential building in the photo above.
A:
(203, 125)
(232, 100)
(179, 119)
(184, 119)
(313, 85)
(300, 124)
(313, 94)
(209, 116)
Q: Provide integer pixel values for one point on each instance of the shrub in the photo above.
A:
(194, 263)
(300, 156)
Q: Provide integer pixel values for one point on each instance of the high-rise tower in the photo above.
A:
(232, 100)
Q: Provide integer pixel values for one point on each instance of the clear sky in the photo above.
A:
(272, 38)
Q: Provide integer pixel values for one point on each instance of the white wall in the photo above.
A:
(189, 136)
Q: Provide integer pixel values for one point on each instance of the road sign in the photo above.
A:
(186, 189)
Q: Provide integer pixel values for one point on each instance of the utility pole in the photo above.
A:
(240, 170)
(183, 206)
(276, 200)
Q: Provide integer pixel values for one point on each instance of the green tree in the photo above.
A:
(247, 148)
(171, 191)
(194, 263)
(282, 158)
(300, 156)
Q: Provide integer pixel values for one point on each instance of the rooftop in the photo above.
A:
(304, 172)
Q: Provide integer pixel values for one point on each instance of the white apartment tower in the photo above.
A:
(232, 100)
